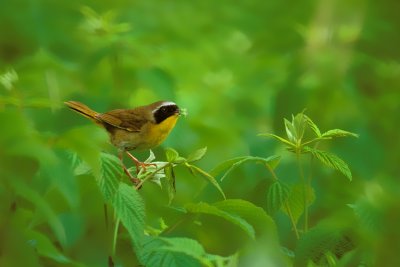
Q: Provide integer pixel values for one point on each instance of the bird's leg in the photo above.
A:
(134, 180)
(140, 164)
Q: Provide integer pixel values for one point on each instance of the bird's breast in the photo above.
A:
(150, 135)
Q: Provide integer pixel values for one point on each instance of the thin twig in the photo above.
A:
(305, 193)
(114, 243)
(149, 175)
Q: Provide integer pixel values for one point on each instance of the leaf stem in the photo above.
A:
(296, 231)
(275, 177)
(304, 182)
(114, 243)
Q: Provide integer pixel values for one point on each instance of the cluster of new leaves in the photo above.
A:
(157, 170)
(295, 131)
(294, 199)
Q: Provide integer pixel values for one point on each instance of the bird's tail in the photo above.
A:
(83, 110)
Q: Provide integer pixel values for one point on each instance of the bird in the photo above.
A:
(140, 128)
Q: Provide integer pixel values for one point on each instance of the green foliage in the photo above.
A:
(330, 160)
(295, 201)
(229, 165)
(110, 173)
(295, 131)
(278, 194)
(319, 246)
(65, 200)
(197, 155)
(256, 216)
(129, 208)
(45, 247)
(43, 208)
(196, 170)
(204, 208)
(164, 252)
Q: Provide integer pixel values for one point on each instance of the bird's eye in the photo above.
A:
(164, 109)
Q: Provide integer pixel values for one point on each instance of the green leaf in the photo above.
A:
(232, 164)
(45, 247)
(290, 131)
(110, 173)
(313, 126)
(207, 177)
(171, 154)
(256, 216)
(170, 180)
(162, 252)
(370, 215)
(338, 133)
(331, 160)
(197, 155)
(151, 157)
(79, 167)
(43, 208)
(319, 241)
(225, 165)
(278, 193)
(299, 123)
(283, 140)
(129, 208)
(205, 208)
(295, 201)
(184, 245)
(61, 177)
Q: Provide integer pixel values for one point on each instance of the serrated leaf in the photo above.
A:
(207, 177)
(205, 208)
(155, 253)
(338, 133)
(45, 247)
(253, 214)
(170, 187)
(283, 140)
(232, 164)
(313, 126)
(330, 160)
(295, 201)
(110, 173)
(197, 155)
(369, 215)
(315, 243)
(171, 154)
(129, 208)
(278, 193)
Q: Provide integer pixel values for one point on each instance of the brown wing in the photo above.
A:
(127, 119)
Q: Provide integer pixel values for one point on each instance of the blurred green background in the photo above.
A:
(238, 68)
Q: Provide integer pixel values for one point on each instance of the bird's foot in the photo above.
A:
(139, 164)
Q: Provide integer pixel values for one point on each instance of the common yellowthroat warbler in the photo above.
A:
(140, 128)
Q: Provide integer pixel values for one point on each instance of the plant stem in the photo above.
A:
(114, 243)
(275, 177)
(305, 189)
(296, 231)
